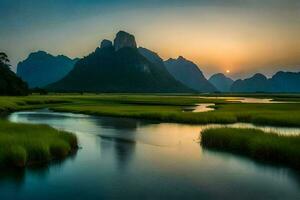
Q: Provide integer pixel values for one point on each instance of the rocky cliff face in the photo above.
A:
(106, 43)
(124, 39)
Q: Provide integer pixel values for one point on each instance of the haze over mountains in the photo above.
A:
(120, 66)
(221, 82)
(41, 68)
(280, 82)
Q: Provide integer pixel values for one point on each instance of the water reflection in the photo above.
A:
(133, 159)
(202, 107)
(247, 99)
(123, 149)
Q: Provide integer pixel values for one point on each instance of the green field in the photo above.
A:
(23, 144)
(169, 109)
(255, 144)
(164, 108)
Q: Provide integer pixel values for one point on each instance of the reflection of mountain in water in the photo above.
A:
(121, 123)
(123, 148)
(118, 123)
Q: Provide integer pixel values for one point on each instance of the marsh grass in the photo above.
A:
(166, 108)
(256, 144)
(22, 144)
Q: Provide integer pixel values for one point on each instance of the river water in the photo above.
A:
(136, 159)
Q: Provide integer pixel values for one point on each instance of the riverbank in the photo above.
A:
(23, 144)
(164, 108)
(256, 144)
(169, 109)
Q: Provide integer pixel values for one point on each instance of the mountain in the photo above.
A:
(280, 82)
(10, 84)
(257, 83)
(41, 68)
(118, 67)
(286, 82)
(221, 82)
(189, 74)
(152, 57)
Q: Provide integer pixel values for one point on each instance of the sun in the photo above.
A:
(227, 71)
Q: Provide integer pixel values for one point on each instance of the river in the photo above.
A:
(137, 159)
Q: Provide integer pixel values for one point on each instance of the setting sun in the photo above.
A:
(227, 71)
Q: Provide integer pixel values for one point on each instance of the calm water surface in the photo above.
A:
(135, 159)
(247, 100)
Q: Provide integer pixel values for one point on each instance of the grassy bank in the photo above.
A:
(10, 104)
(23, 144)
(255, 144)
(163, 108)
(169, 109)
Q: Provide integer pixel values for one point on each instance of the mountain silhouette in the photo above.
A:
(118, 67)
(256, 83)
(41, 68)
(221, 82)
(285, 82)
(189, 74)
(280, 82)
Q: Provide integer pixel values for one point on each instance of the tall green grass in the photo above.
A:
(166, 108)
(22, 144)
(255, 144)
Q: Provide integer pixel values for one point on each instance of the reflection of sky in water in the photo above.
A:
(247, 100)
(202, 107)
(136, 159)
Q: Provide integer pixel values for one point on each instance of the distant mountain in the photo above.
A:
(118, 67)
(257, 83)
(280, 82)
(189, 74)
(152, 57)
(221, 82)
(41, 68)
(10, 84)
(285, 82)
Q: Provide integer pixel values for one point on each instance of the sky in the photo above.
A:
(242, 37)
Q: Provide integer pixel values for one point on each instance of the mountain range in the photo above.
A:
(41, 68)
(182, 70)
(122, 66)
(118, 67)
(281, 82)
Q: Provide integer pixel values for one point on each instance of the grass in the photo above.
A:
(164, 108)
(23, 145)
(255, 144)
(169, 109)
